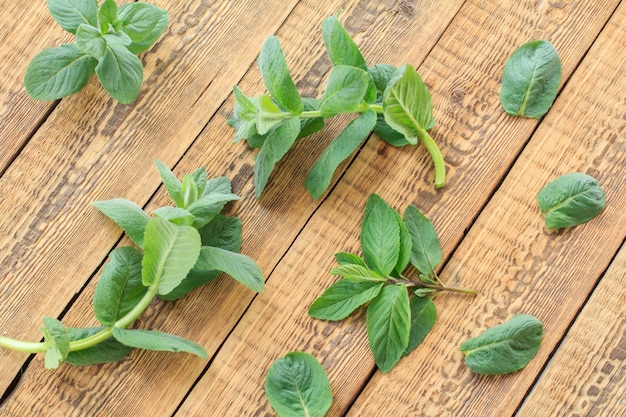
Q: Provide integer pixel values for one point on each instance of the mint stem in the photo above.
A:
(435, 154)
(420, 284)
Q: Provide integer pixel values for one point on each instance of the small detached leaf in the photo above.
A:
(128, 215)
(160, 341)
(297, 386)
(345, 91)
(278, 81)
(531, 79)
(380, 236)
(570, 200)
(55, 333)
(70, 14)
(505, 348)
(426, 249)
(342, 298)
(107, 351)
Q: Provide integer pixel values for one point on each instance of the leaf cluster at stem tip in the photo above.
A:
(393, 102)
(401, 311)
(177, 250)
(108, 40)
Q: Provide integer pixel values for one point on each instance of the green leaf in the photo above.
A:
(171, 183)
(531, 79)
(170, 251)
(406, 245)
(219, 185)
(380, 236)
(340, 47)
(276, 76)
(54, 333)
(357, 273)
(388, 134)
(297, 386)
(160, 341)
(222, 232)
(189, 190)
(345, 91)
(119, 288)
(118, 38)
(423, 316)
(382, 74)
(199, 177)
(69, 14)
(349, 140)
(107, 15)
(175, 215)
(107, 351)
(311, 125)
(244, 116)
(388, 321)
(345, 258)
(89, 40)
(274, 148)
(426, 249)
(342, 298)
(407, 104)
(505, 348)
(120, 72)
(209, 206)
(139, 20)
(242, 268)
(58, 72)
(128, 215)
(151, 38)
(570, 200)
(268, 114)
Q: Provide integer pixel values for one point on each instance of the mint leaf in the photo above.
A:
(268, 114)
(128, 215)
(345, 91)
(243, 118)
(107, 351)
(380, 236)
(107, 15)
(120, 72)
(209, 206)
(345, 258)
(406, 245)
(297, 386)
(342, 298)
(125, 15)
(320, 175)
(426, 249)
(139, 20)
(222, 232)
(357, 273)
(278, 81)
(382, 74)
(423, 316)
(175, 215)
(340, 47)
(388, 321)
(89, 40)
(58, 72)
(159, 341)
(119, 288)
(69, 14)
(171, 183)
(54, 333)
(240, 267)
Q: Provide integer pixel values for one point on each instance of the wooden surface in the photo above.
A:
(57, 157)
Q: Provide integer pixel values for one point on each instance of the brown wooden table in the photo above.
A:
(58, 157)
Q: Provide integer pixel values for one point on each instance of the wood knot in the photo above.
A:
(457, 95)
(407, 8)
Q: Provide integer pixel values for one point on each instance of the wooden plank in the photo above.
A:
(92, 148)
(515, 264)
(278, 219)
(479, 142)
(587, 374)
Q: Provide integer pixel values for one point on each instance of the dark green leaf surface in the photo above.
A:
(58, 72)
(342, 298)
(404, 256)
(128, 215)
(505, 348)
(119, 287)
(380, 236)
(345, 91)
(297, 386)
(107, 351)
(55, 332)
(120, 72)
(160, 341)
(151, 38)
(531, 79)
(242, 268)
(276, 76)
(140, 19)
(388, 134)
(388, 322)
(357, 273)
(423, 316)
(171, 183)
(382, 74)
(340, 47)
(349, 140)
(89, 40)
(69, 14)
(222, 232)
(426, 249)
(570, 200)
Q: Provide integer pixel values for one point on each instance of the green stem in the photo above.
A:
(420, 284)
(22, 346)
(313, 114)
(435, 154)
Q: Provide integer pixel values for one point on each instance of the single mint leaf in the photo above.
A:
(138, 20)
(242, 268)
(380, 236)
(89, 40)
(69, 14)
(200, 179)
(297, 386)
(570, 200)
(426, 249)
(175, 215)
(128, 215)
(407, 104)
(58, 72)
(107, 15)
(170, 251)
(120, 72)
(406, 245)
(219, 185)
(278, 81)
(274, 148)
(345, 91)
(55, 333)
(531, 79)
(268, 114)
(382, 74)
(189, 191)
(222, 232)
(171, 183)
(349, 140)
(151, 38)
(358, 273)
(388, 321)
(340, 47)
(160, 341)
(342, 298)
(423, 316)
(345, 258)
(119, 288)
(505, 348)
(107, 351)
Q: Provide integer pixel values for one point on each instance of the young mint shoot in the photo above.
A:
(108, 40)
(393, 102)
(178, 249)
(401, 311)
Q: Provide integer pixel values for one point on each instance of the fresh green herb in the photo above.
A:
(182, 248)
(297, 386)
(531, 79)
(505, 348)
(107, 43)
(401, 311)
(395, 103)
(570, 200)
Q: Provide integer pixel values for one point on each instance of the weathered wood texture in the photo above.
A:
(91, 148)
